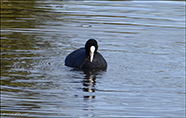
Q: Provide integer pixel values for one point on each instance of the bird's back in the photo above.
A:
(75, 59)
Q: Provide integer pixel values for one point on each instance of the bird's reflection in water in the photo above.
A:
(89, 83)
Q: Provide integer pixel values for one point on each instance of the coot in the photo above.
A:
(87, 57)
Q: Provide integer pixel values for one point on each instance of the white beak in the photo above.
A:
(92, 50)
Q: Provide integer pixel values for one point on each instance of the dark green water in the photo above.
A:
(143, 43)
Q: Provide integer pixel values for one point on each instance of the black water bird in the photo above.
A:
(87, 57)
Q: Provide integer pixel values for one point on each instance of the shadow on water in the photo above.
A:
(20, 55)
(20, 50)
(17, 14)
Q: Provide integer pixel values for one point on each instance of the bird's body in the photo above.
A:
(85, 58)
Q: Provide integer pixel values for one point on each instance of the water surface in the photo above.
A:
(143, 43)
